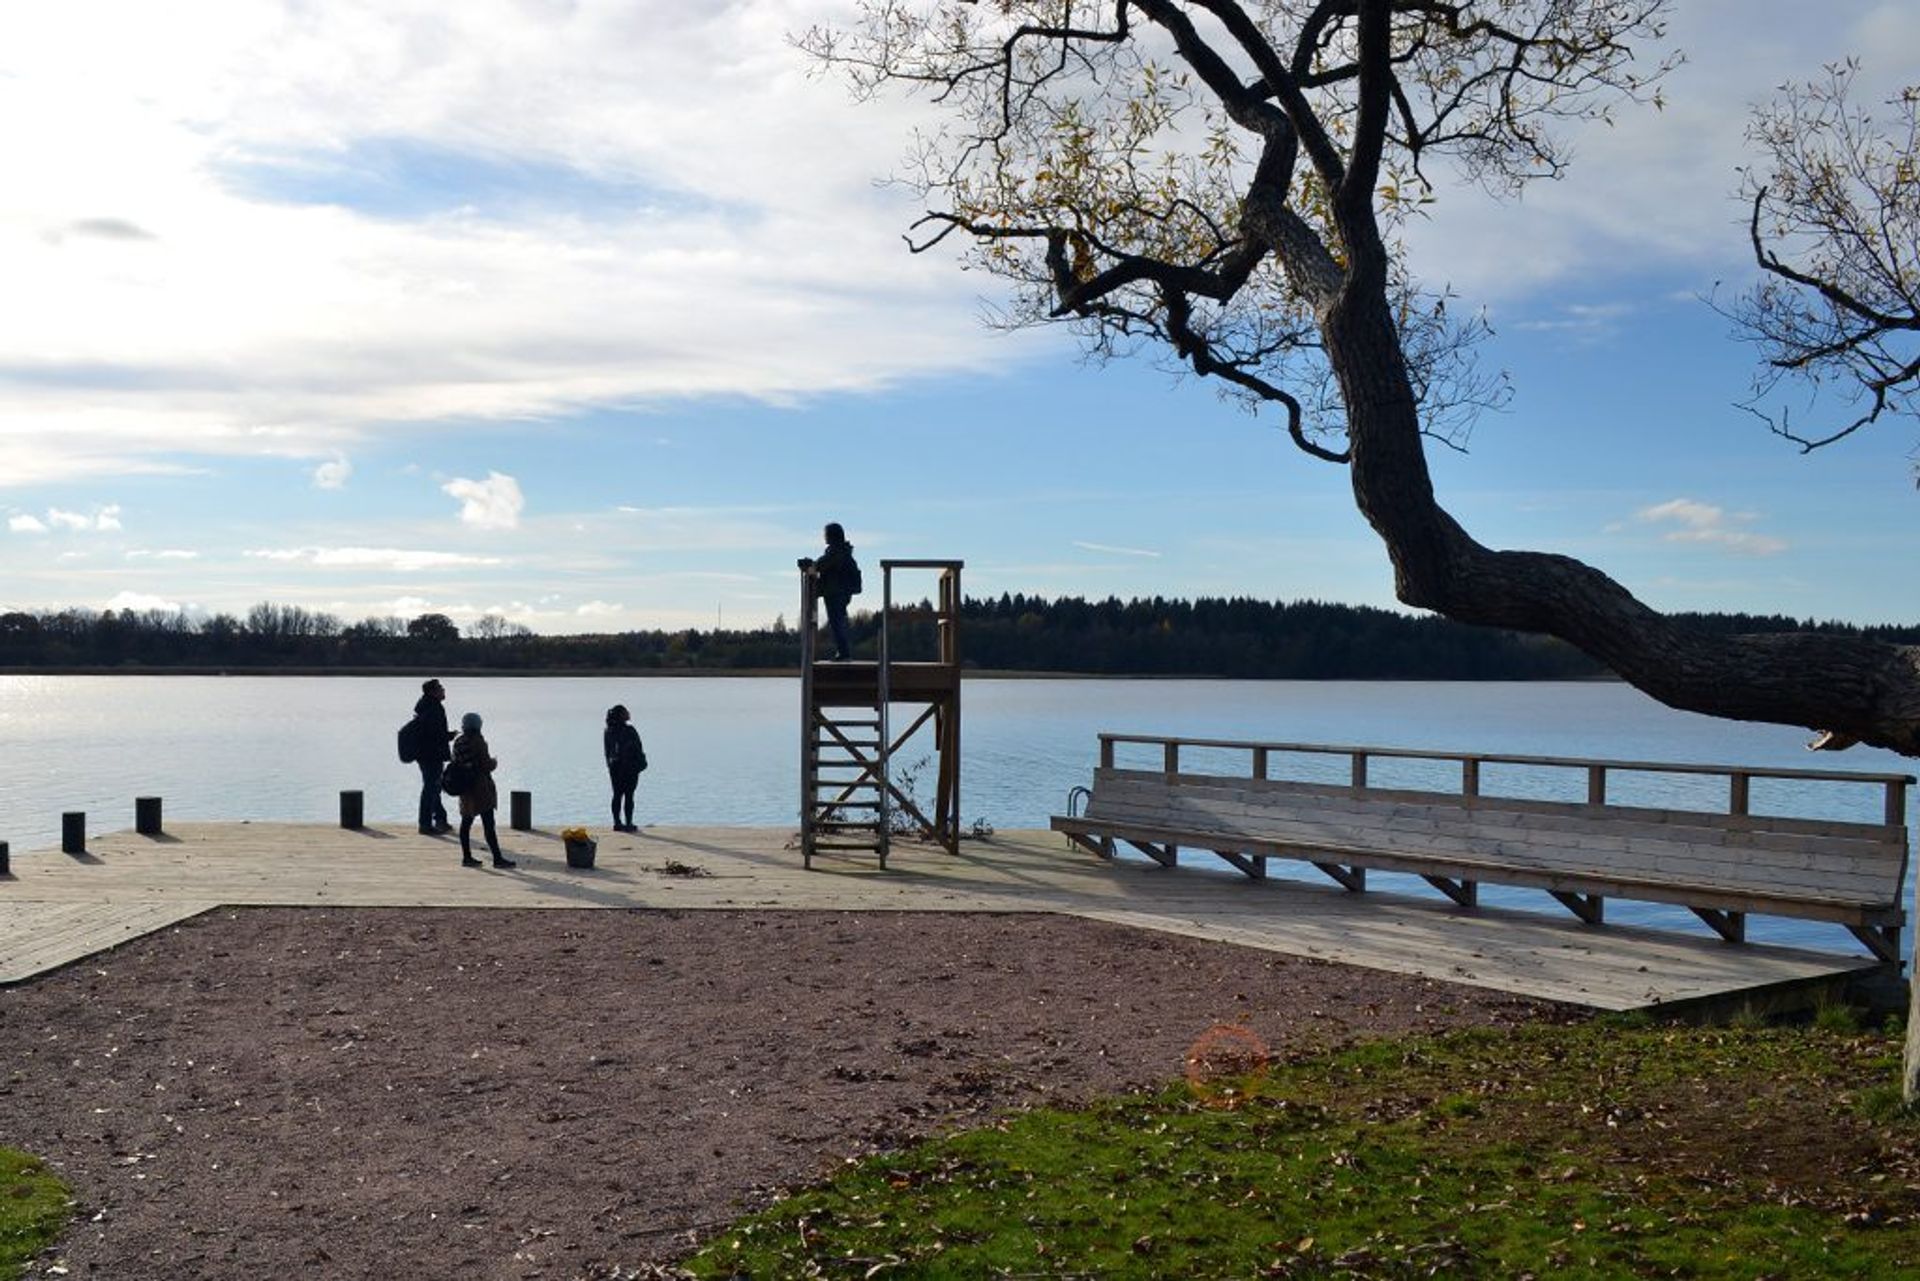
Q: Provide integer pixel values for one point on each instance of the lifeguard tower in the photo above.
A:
(850, 799)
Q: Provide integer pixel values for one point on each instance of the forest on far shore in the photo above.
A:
(1209, 636)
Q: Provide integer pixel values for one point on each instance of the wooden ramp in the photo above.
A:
(56, 908)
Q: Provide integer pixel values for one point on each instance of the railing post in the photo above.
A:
(1260, 762)
(1171, 751)
(1739, 783)
(1106, 751)
(353, 810)
(1359, 769)
(73, 832)
(1896, 802)
(520, 811)
(1596, 785)
(1470, 776)
(146, 815)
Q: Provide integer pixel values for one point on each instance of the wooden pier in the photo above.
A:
(58, 908)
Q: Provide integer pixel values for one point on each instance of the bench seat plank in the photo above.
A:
(1848, 868)
(1847, 876)
(1810, 906)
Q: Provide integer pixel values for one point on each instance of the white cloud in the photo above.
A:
(1654, 187)
(598, 609)
(1116, 551)
(1699, 522)
(398, 559)
(493, 503)
(167, 553)
(104, 519)
(332, 474)
(1587, 322)
(504, 211)
(142, 601)
(25, 524)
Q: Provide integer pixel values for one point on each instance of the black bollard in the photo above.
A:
(520, 811)
(4, 860)
(73, 832)
(353, 810)
(146, 815)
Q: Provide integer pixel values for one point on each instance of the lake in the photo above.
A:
(725, 750)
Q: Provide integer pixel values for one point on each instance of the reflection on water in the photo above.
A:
(725, 750)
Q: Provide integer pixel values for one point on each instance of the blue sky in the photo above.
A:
(589, 315)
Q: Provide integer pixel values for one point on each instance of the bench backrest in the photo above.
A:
(1765, 859)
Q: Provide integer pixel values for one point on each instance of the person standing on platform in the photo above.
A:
(430, 739)
(838, 575)
(473, 765)
(626, 757)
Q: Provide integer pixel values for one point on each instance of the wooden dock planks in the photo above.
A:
(56, 909)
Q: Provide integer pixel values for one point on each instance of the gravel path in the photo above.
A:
(556, 1094)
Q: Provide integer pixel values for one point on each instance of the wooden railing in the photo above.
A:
(1739, 777)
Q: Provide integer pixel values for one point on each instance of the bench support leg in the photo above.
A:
(1465, 893)
(1590, 908)
(1164, 855)
(1254, 865)
(1882, 940)
(1353, 878)
(1100, 847)
(1731, 926)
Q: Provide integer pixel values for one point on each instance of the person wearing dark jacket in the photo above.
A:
(430, 741)
(625, 759)
(480, 797)
(839, 578)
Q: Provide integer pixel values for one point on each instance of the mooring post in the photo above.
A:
(146, 815)
(4, 860)
(520, 811)
(73, 832)
(353, 810)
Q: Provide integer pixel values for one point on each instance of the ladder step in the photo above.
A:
(846, 805)
(845, 845)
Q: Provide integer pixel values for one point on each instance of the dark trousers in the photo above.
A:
(433, 810)
(837, 624)
(486, 826)
(624, 782)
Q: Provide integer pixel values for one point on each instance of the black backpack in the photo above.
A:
(409, 741)
(456, 778)
(853, 576)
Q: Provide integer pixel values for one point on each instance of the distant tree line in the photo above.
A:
(1210, 636)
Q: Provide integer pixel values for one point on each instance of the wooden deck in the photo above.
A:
(57, 908)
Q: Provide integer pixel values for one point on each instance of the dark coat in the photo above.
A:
(837, 572)
(481, 796)
(624, 752)
(430, 744)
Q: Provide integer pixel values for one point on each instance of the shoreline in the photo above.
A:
(753, 673)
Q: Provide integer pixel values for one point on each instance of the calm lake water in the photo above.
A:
(726, 750)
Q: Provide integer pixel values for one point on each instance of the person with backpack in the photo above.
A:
(469, 776)
(838, 575)
(626, 757)
(426, 737)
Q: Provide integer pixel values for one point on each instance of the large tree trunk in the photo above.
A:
(1863, 689)
(1860, 688)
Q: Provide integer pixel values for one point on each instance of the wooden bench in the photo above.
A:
(1721, 865)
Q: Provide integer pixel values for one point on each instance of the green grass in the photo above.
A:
(1601, 1149)
(33, 1208)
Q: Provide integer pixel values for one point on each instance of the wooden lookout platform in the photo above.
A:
(57, 908)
